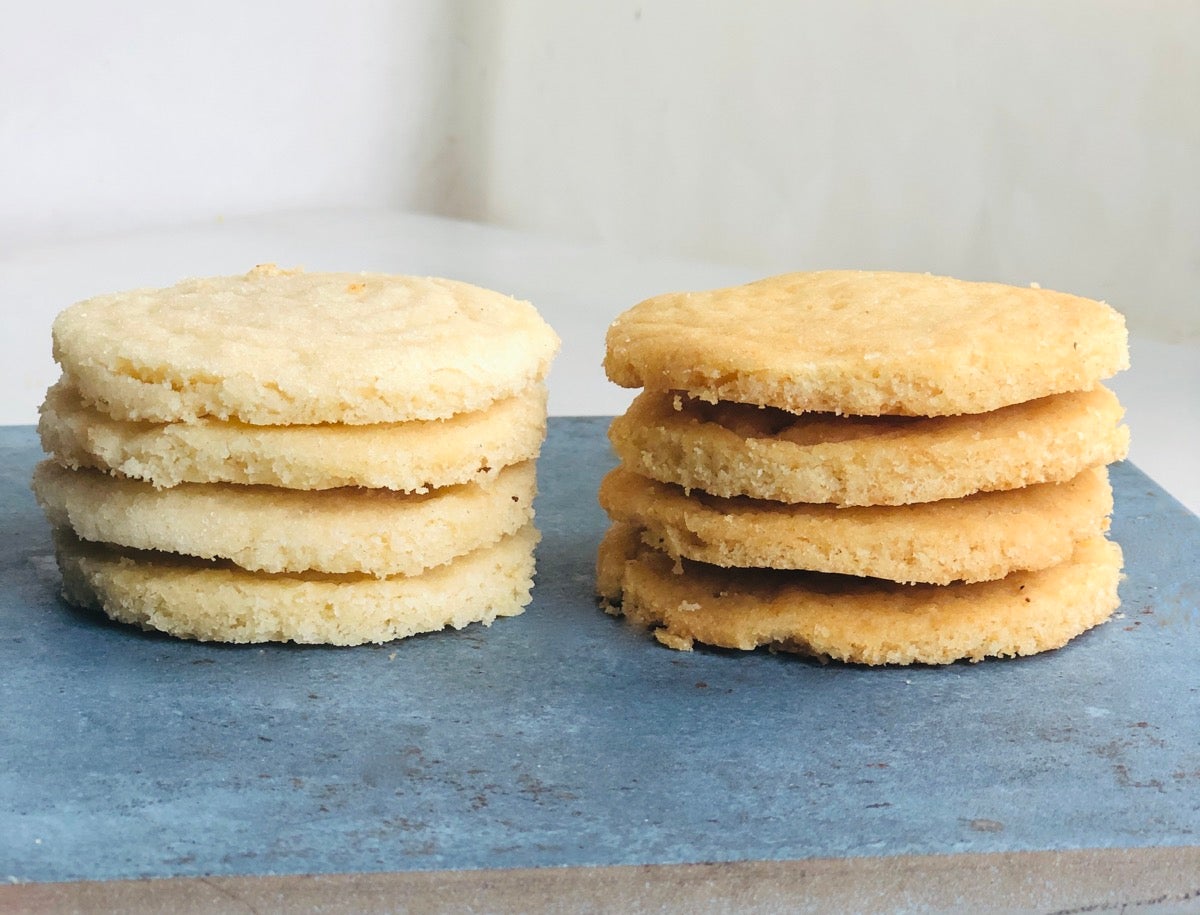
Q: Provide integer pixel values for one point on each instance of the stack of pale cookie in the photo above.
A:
(287, 456)
(878, 468)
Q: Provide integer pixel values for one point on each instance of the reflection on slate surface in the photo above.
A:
(565, 736)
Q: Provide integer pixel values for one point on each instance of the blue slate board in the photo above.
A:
(566, 737)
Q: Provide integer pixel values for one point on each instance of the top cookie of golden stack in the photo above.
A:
(878, 468)
(289, 456)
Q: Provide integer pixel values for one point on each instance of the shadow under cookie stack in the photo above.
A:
(876, 468)
(289, 456)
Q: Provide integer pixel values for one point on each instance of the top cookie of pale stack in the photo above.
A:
(868, 343)
(278, 347)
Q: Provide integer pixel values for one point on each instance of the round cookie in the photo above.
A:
(855, 620)
(868, 343)
(977, 538)
(729, 449)
(277, 347)
(263, 528)
(193, 599)
(413, 456)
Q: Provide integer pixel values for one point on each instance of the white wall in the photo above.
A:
(1056, 142)
(137, 113)
(1021, 141)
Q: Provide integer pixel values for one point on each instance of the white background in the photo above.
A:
(1023, 141)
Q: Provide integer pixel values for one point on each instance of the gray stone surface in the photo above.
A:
(565, 737)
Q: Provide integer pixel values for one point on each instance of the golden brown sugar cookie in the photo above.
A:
(194, 599)
(977, 538)
(863, 621)
(412, 456)
(278, 347)
(264, 528)
(732, 449)
(868, 343)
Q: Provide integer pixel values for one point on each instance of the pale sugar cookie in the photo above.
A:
(194, 599)
(864, 621)
(868, 343)
(314, 457)
(977, 538)
(412, 456)
(733, 449)
(263, 528)
(279, 346)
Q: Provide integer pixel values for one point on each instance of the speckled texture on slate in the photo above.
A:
(567, 737)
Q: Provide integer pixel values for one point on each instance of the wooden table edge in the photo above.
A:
(1154, 879)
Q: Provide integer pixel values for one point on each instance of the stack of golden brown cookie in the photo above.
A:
(879, 468)
(314, 457)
